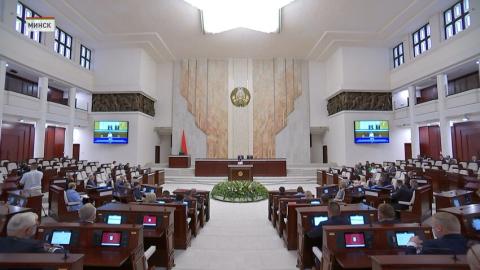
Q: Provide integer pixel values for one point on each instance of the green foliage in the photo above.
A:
(239, 191)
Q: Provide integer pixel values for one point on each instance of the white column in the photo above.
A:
(445, 132)
(3, 73)
(68, 151)
(412, 97)
(39, 146)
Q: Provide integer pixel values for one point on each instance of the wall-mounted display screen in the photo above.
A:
(372, 131)
(110, 132)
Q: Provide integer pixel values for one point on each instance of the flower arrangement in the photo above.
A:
(239, 191)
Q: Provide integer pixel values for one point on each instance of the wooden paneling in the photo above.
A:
(54, 142)
(427, 94)
(430, 144)
(17, 141)
(464, 83)
(408, 150)
(76, 151)
(465, 140)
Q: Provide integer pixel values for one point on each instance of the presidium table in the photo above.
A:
(261, 167)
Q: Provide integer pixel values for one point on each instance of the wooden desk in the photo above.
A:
(375, 197)
(87, 237)
(204, 193)
(271, 193)
(329, 190)
(100, 196)
(161, 236)
(332, 179)
(321, 177)
(304, 225)
(261, 167)
(453, 198)
(41, 260)
(466, 215)
(32, 200)
(13, 210)
(154, 178)
(179, 161)
(419, 262)
(240, 172)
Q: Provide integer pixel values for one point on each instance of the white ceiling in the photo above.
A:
(170, 29)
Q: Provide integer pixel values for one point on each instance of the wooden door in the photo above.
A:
(17, 141)
(430, 143)
(54, 142)
(465, 140)
(157, 154)
(408, 150)
(325, 154)
(59, 142)
(76, 151)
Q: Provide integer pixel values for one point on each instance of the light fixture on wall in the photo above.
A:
(223, 15)
(6, 65)
(478, 62)
(22, 120)
(466, 117)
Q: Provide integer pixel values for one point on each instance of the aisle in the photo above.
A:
(237, 237)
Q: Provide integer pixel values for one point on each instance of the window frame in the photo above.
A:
(58, 43)
(87, 57)
(399, 59)
(454, 20)
(23, 22)
(427, 39)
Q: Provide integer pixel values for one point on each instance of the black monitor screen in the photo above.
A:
(315, 202)
(403, 238)
(114, 220)
(325, 191)
(456, 202)
(357, 220)
(61, 238)
(354, 240)
(476, 224)
(318, 220)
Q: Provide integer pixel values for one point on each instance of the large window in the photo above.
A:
(398, 55)
(24, 12)
(457, 18)
(63, 43)
(421, 40)
(85, 57)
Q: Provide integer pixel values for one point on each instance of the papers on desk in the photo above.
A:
(371, 193)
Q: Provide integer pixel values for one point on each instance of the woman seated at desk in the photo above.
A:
(91, 182)
(137, 192)
(341, 191)
(121, 186)
(150, 198)
(73, 196)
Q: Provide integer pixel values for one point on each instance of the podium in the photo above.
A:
(240, 172)
(179, 161)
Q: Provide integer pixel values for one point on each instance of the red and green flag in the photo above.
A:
(183, 146)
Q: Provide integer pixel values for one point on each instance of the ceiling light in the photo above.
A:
(478, 62)
(223, 15)
(466, 117)
(6, 65)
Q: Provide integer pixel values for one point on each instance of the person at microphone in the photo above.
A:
(448, 239)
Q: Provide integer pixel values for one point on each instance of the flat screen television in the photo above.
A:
(371, 131)
(110, 132)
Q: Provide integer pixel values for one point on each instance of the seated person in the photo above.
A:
(21, 229)
(121, 185)
(150, 198)
(300, 192)
(309, 195)
(73, 196)
(448, 239)
(403, 193)
(325, 199)
(334, 218)
(32, 180)
(91, 182)
(413, 185)
(342, 185)
(281, 190)
(137, 192)
(386, 214)
(166, 194)
(87, 214)
(473, 257)
(179, 198)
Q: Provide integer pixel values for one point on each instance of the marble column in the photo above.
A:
(413, 125)
(445, 130)
(3, 73)
(68, 151)
(39, 145)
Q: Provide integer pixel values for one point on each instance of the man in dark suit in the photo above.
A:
(334, 218)
(447, 233)
(20, 230)
(403, 193)
(386, 214)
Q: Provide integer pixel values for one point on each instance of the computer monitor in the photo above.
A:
(403, 238)
(114, 219)
(185, 203)
(111, 239)
(354, 240)
(359, 189)
(357, 220)
(148, 189)
(456, 202)
(161, 202)
(61, 238)
(319, 219)
(149, 221)
(315, 202)
(325, 191)
(476, 224)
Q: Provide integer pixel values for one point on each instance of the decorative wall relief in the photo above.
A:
(203, 84)
(360, 101)
(124, 102)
